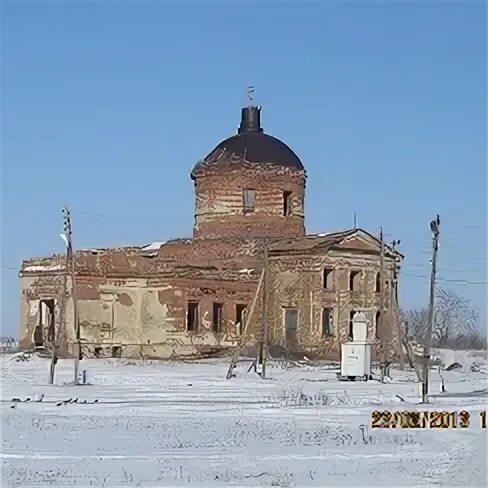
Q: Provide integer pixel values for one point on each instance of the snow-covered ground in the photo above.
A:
(184, 424)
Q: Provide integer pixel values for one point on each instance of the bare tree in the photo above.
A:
(454, 317)
(415, 323)
(454, 325)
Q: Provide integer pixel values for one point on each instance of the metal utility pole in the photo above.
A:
(434, 227)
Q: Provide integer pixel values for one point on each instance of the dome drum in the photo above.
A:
(251, 184)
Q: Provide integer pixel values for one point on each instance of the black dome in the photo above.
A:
(252, 146)
(258, 148)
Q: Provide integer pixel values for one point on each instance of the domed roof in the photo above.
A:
(252, 146)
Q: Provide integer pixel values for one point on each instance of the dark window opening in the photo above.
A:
(217, 317)
(248, 200)
(116, 351)
(377, 322)
(98, 352)
(240, 317)
(354, 280)
(192, 317)
(351, 316)
(378, 282)
(327, 279)
(291, 327)
(327, 322)
(286, 203)
(46, 327)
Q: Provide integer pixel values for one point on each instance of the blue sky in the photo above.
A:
(106, 107)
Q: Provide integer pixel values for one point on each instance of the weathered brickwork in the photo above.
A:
(140, 303)
(296, 281)
(219, 208)
(187, 296)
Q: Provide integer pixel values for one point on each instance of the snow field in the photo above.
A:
(184, 424)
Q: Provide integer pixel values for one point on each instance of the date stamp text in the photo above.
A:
(429, 419)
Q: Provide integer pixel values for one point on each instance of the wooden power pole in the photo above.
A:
(59, 335)
(380, 321)
(263, 350)
(434, 227)
(70, 262)
(394, 312)
(68, 230)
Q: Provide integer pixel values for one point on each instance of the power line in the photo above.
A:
(445, 270)
(468, 282)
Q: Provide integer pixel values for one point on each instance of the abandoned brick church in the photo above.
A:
(248, 263)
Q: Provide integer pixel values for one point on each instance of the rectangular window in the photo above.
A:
(291, 326)
(240, 317)
(377, 322)
(286, 203)
(354, 280)
(248, 200)
(116, 351)
(327, 279)
(327, 322)
(377, 287)
(192, 317)
(217, 317)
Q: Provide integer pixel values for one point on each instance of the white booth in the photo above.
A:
(356, 354)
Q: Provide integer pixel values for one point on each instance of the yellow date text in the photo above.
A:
(429, 419)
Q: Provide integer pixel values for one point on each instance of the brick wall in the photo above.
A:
(219, 202)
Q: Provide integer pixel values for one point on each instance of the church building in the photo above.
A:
(249, 273)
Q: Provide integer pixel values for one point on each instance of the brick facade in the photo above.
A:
(185, 297)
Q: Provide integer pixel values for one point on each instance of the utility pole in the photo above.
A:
(394, 305)
(68, 231)
(434, 227)
(263, 350)
(380, 321)
(60, 335)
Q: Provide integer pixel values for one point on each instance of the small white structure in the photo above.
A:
(356, 354)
